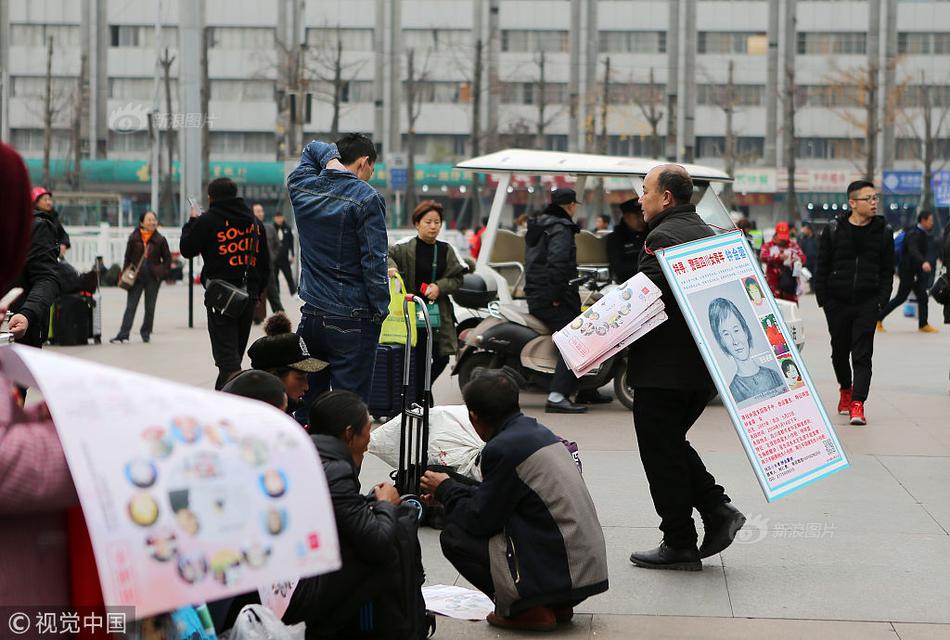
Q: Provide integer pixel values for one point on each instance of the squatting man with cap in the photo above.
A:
(550, 265)
(671, 389)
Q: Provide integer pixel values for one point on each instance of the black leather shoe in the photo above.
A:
(564, 406)
(721, 525)
(666, 557)
(146, 337)
(592, 396)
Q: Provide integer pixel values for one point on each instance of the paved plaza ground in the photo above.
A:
(864, 554)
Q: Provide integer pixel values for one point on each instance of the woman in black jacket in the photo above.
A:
(147, 241)
(339, 427)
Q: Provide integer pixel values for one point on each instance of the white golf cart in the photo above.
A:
(494, 294)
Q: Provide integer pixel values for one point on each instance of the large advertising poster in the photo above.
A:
(754, 362)
(189, 495)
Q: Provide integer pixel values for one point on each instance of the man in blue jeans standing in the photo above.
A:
(343, 251)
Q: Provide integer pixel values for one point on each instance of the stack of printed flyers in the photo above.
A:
(611, 324)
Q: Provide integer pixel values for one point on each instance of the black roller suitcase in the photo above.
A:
(73, 319)
(385, 398)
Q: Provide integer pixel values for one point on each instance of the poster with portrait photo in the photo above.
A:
(759, 373)
(738, 343)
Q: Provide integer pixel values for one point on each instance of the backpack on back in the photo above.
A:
(899, 241)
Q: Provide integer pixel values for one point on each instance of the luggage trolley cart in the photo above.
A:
(414, 428)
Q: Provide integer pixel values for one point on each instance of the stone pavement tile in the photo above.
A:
(909, 631)
(450, 629)
(843, 576)
(896, 435)
(848, 502)
(612, 627)
(926, 479)
(648, 591)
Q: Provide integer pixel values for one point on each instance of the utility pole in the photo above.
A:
(672, 81)
(600, 195)
(689, 82)
(205, 97)
(169, 197)
(97, 30)
(770, 155)
(873, 84)
(788, 129)
(154, 127)
(5, 70)
(379, 60)
(48, 112)
(78, 110)
(729, 157)
(494, 46)
(573, 81)
(475, 197)
(590, 76)
(890, 72)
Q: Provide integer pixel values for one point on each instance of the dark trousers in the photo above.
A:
(229, 340)
(852, 343)
(910, 282)
(556, 318)
(469, 555)
(273, 290)
(439, 361)
(283, 264)
(679, 482)
(149, 285)
(349, 345)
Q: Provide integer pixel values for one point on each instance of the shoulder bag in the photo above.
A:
(131, 273)
(435, 317)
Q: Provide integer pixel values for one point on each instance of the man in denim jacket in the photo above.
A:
(343, 250)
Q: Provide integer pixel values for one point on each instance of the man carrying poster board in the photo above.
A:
(671, 389)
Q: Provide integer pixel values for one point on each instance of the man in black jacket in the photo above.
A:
(528, 536)
(550, 265)
(671, 389)
(853, 281)
(285, 254)
(232, 244)
(914, 271)
(625, 241)
(39, 280)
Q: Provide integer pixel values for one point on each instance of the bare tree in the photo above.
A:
(788, 100)
(476, 142)
(334, 77)
(79, 102)
(650, 100)
(852, 95)
(48, 112)
(414, 96)
(727, 99)
(925, 119)
(545, 117)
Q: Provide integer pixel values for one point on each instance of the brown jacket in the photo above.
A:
(159, 260)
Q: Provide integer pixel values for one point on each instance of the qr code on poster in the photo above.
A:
(830, 448)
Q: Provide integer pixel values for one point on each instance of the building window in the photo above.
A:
(352, 39)
(829, 95)
(437, 92)
(141, 36)
(236, 142)
(914, 43)
(31, 140)
(830, 148)
(242, 90)
(917, 96)
(832, 43)
(724, 42)
(35, 35)
(633, 42)
(134, 141)
(532, 41)
(555, 143)
(241, 38)
(627, 93)
(437, 39)
(529, 93)
(719, 95)
(747, 147)
(35, 87)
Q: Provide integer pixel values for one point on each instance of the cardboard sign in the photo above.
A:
(754, 362)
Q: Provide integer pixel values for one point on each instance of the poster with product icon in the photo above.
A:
(189, 495)
(760, 375)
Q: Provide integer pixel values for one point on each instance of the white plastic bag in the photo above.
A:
(256, 622)
(453, 441)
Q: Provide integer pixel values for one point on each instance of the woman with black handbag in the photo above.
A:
(432, 270)
(146, 264)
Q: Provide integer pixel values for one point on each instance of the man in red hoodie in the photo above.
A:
(783, 260)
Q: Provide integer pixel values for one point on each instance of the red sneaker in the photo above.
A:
(844, 402)
(534, 619)
(857, 413)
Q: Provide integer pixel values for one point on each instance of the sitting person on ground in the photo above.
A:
(340, 426)
(258, 385)
(285, 355)
(528, 536)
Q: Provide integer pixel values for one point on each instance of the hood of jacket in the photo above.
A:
(332, 449)
(233, 209)
(552, 215)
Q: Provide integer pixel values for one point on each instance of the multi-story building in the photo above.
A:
(718, 49)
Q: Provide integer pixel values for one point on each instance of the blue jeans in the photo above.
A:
(349, 345)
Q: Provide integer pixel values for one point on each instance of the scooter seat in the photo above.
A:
(516, 315)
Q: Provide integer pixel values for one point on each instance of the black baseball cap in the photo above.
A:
(564, 196)
(283, 350)
(631, 206)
